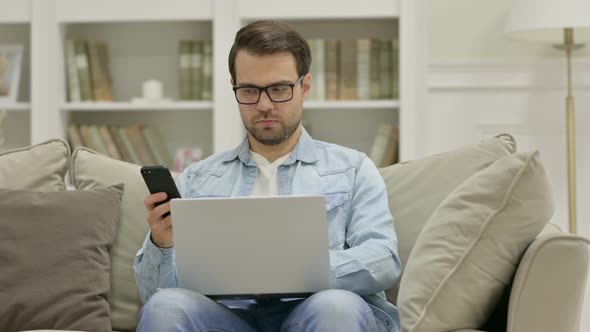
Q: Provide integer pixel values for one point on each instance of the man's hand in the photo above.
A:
(161, 227)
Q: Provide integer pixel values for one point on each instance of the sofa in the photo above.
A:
(478, 251)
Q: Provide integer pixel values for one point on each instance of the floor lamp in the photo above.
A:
(555, 22)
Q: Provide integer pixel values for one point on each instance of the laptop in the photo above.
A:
(252, 247)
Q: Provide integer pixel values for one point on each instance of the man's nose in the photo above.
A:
(264, 103)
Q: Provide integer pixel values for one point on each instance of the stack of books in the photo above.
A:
(137, 144)
(384, 151)
(360, 69)
(195, 62)
(87, 71)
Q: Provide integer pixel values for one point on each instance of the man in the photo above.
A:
(269, 65)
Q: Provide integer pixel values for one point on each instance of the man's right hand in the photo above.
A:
(161, 228)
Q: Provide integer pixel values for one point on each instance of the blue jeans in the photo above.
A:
(175, 309)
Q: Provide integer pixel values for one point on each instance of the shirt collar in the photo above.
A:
(305, 151)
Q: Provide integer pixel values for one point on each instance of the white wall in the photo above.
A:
(474, 29)
(482, 83)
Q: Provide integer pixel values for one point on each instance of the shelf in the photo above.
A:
(15, 107)
(352, 104)
(313, 9)
(87, 11)
(137, 107)
(15, 11)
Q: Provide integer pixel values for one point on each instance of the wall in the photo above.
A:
(482, 83)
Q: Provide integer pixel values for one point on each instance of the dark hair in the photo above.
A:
(269, 37)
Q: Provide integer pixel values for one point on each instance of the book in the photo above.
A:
(381, 143)
(99, 145)
(196, 70)
(114, 131)
(72, 71)
(318, 69)
(140, 146)
(109, 142)
(83, 69)
(184, 70)
(74, 136)
(99, 76)
(347, 70)
(133, 156)
(207, 73)
(86, 139)
(332, 69)
(363, 69)
(375, 69)
(395, 68)
(390, 156)
(385, 69)
(156, 146)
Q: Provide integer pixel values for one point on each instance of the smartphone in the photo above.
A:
(158, 179)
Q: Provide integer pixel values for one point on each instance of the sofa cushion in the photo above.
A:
(39, 167)
(89, 170)
(55, 261)
(467, 251)
(416, 188)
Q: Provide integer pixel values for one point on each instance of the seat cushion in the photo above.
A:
(54, 249)
(467, 251)
(89, 170)
(39, 167)
(416, 188)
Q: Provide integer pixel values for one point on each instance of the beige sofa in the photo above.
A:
(469, 225)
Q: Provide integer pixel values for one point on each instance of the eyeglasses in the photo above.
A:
(277, 93)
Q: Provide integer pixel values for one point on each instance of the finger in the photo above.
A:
(160, 210)
(151, 200)
(166, 222)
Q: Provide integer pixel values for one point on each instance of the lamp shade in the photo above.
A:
(544, 20)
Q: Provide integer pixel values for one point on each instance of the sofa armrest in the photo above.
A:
(551, 275)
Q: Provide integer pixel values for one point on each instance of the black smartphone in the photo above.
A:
(158, 179)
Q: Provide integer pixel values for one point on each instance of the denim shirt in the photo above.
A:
(362, 238)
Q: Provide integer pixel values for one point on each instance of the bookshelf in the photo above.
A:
(143, 39)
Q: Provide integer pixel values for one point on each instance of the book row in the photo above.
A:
(196, 69)
(356, 69)
(87, 71)
(138, 144)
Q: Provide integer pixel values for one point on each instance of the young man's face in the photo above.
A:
(270, 122)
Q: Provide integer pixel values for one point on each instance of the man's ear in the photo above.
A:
(306, 85)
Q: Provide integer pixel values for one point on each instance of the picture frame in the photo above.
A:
(10, 71)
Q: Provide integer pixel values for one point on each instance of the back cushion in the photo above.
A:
(416, 188)
(90, 170)
(467, 252)
(39, 167)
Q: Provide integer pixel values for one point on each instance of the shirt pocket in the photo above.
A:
(334, 200)
(337, 214)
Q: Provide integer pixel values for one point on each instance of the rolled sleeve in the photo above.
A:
(370, 264)
(154, 268)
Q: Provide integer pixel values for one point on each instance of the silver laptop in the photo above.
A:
(250, 247)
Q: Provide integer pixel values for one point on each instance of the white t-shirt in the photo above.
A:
(267, 183)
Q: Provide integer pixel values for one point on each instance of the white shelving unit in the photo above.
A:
(15, 29)
(142, 37)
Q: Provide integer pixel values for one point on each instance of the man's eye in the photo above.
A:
(279, 89)
(248, 91)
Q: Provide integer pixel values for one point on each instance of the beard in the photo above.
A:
(263, 136)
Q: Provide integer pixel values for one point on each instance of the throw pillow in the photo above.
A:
(469, 248)
(54, 254)
(39, 167)
(89, 170)
(416, 188)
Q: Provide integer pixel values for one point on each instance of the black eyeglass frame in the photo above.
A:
(265, 89)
